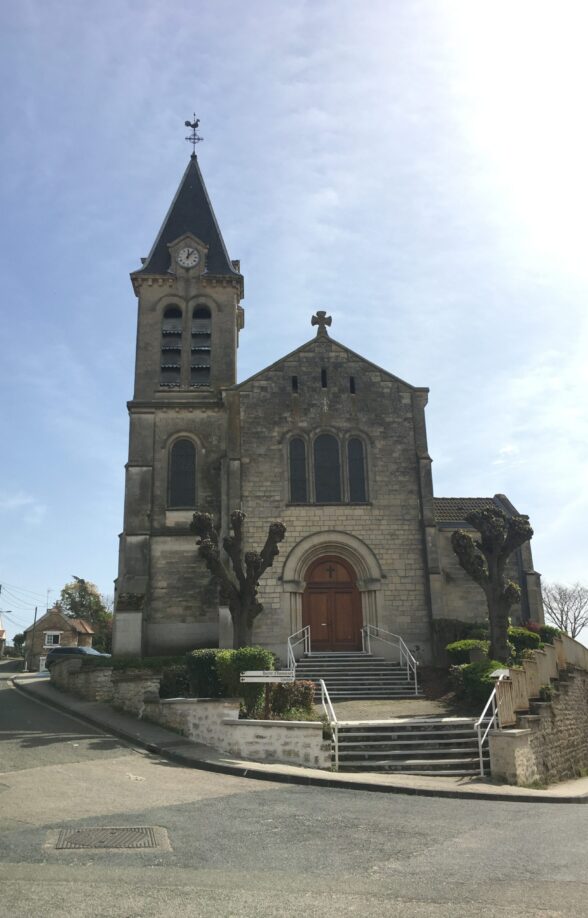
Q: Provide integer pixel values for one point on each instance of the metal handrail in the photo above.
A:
(332, 718)
(305, 632)
(406, 657)
(493, 723)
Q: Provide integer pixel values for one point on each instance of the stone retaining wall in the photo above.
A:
(551, 743)
(130, 686)
(90, 684)
(214, 721)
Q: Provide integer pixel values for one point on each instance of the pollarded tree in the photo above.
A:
(485, 560)
(239, 583)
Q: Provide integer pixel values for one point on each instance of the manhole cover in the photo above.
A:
(106, 837)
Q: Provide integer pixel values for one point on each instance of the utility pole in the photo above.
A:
(27, 670)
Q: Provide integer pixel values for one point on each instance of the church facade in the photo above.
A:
(324, 440)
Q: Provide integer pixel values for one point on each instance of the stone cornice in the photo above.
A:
(139, 280)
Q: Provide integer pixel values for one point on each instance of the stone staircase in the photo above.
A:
(414, 746)
(356, 676)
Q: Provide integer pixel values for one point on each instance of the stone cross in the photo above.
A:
(322, 320)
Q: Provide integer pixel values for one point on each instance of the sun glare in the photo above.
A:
(522, 72)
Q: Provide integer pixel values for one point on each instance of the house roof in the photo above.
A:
(81, 626)
(76, 624)
(190, 212)
(455, 509)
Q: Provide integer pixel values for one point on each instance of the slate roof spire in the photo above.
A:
(190, 212)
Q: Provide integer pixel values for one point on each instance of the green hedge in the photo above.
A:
(174, 682)
(459, 651)
(293, 697)
(523, 639)
(548, 632)
(231, 663)
(216, 673)
(202, 674)
(472, 681)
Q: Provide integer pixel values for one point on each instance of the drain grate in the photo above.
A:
(108, 837)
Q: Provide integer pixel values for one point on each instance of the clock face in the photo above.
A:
(188, 257)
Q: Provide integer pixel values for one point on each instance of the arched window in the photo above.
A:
(200, 347)
(356, 471)
(327, 470)
(171, 347)
(298, 485)
(182, 475)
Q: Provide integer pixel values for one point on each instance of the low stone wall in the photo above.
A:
(90, 684)
(214, 721)
(551, 743)
(292, 742)
(130, 686)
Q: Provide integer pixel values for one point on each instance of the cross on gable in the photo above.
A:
(322, 320)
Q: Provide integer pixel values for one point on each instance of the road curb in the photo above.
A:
(254, 772)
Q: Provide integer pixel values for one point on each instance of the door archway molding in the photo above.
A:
(348, 547)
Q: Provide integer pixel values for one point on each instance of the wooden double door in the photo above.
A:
(331, 606)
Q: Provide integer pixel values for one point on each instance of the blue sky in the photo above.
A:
(415, 168)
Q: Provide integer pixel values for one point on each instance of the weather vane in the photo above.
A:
(194, 137)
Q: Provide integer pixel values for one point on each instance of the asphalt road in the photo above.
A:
(241, 847)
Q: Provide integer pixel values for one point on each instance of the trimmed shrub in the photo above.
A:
(548, 632)
(289, 697)
(523, 639)
(459, 651)
(231, 663)
(174, 682)
(472, 681)
(203, 675)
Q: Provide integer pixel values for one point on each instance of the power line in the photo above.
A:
(17, 600)
(18, 589)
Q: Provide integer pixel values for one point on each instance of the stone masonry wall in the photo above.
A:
(129, 688)
(389, 523)
(215, 723)
(552, 744)
(90, 684)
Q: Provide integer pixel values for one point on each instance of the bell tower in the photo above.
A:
(189, 317)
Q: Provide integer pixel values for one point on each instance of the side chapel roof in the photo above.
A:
(455, 509)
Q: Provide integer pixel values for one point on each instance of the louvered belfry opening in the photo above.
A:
(171, 347)
(200, 347)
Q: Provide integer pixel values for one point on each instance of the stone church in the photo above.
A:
(323, 439)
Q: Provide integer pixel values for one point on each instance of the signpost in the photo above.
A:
(267, 677)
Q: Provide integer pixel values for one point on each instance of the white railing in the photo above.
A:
(493, 722)
(329, 710)
(299, 637)
(370, 632)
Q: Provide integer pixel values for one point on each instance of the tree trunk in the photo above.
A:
(242, 632)
(498, 611)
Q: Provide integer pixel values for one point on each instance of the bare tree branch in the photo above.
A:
(240, 582)
(566, 607)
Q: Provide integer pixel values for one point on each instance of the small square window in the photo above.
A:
(52, 638)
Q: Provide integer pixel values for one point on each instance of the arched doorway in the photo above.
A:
(331, 605)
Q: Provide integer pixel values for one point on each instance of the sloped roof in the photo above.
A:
(455, 509)
(319, 340)
(81, 626)
(190, 212)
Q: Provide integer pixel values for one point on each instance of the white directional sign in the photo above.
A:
(267, 675)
